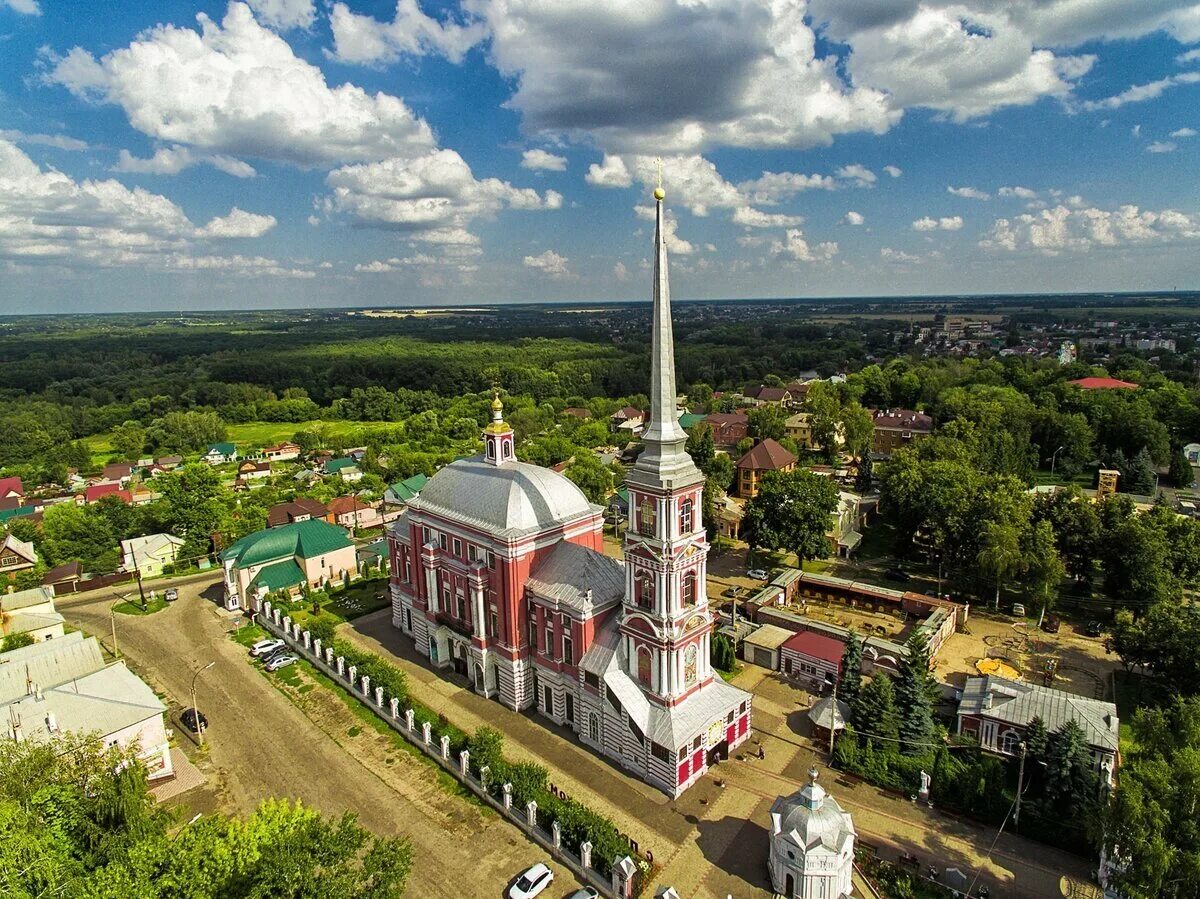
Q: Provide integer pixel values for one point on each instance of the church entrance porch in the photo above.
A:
(718, 753)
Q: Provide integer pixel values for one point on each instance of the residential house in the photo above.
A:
(286, 558)
(169, 462)
(401, 492)
(689, 420)
(16, 556)
(217, 453)
(97, 492)
(281, 452)
(11, 488)
(813, 657)
(299, 509)
(150, 555)
(897, 428)
(121, 472)
(154, 470)
(64, 578)
(30, 612)
(627, 419)
(728, 428)
(770, 396)
(729, 518)
(345, 468)
(1191, 452)
(762, 646)
(578, 412)
(798, 392)
(798, 427)
(618, 504)
(766, 455)
(847, 521)
(140, 495)
(64, 686)
(253, 473)
(998, 712)
(351, 513)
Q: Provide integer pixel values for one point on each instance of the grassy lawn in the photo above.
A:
(1133, 692)
(134, 606)
(1083, 480)
(248, 436)
(360, 598)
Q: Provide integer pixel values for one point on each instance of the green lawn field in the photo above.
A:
(249, 436)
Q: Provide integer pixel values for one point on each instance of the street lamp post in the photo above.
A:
(195, 710)
(1054, 458)
(112, 619)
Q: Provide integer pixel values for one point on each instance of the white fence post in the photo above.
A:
(427, 732)
(531, 812)
(341, 666)
(464, 762)
(507, 791)
(445, 744)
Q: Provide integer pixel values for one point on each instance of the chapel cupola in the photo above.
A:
(498, 440)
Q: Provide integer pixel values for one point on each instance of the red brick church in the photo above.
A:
(498, 573)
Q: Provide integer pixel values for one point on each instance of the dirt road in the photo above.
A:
(262, 744)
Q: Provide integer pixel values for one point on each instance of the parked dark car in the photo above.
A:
(898, 574)
(1051, 624)
(1093, 629)
(188, 719)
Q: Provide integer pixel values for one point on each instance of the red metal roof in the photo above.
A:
(817, 646)
(11, 485)
(1102, 384)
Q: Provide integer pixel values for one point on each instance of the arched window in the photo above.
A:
(645, 669)
(646, 516)
(491, 450)
(685, 517)
(689, 589)
(1010, 742)
(644, 589)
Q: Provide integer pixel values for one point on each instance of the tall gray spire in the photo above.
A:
(664, 458)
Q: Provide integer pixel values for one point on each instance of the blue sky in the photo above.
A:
(177, 155)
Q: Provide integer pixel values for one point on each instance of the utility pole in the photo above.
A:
(1020, 787)
(138, 574)
(112, 619)
(833, 715)
(195, 710)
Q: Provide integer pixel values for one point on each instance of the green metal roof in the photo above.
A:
(688, 420)
(409, 487)
(339, 464)
(378, 548)
(279, 576)
(225, 449)
(6, 514)
(306, 539)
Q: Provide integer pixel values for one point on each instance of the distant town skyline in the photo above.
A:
(288, 153)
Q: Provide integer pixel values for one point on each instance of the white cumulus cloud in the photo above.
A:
(969, 193)
(25, 7)
(853, 218)
(236, 88)
(434, 198)
(1139, 93)
(173, 160)
(1183, 132)
(859, 174)
(893, 171)
(771, 187)
(550, 263)
(750, 217)
(285, 14)
(1022, 193)
(48, 217)
(1064, 229)
(365, 40)
(540, 160)
(887, 254)
(609, 172)
(796, 247)
(945, 223)
(1162, 146)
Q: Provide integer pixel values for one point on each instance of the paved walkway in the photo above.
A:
(713, 840)
(187, 777)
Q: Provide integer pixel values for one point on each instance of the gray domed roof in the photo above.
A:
(812, 818)
(512, 499)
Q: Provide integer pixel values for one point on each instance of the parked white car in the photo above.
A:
(758, 574)
(264, 648)
(281, 662)
(531, 882)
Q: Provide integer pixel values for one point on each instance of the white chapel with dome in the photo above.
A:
(812, 845)
(498, 573)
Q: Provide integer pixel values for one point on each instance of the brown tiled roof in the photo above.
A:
(285, 512)
(342, 504)
(767, 455)
(768, 394)
(903, 419)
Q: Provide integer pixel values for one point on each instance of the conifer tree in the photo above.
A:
(916, 693)
(875, 712)
(850, 684)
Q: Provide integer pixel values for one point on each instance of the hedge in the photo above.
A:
(577, 822)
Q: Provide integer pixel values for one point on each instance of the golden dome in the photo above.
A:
(659, 193)
(497, 406)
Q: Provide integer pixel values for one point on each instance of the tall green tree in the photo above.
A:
(791, 512)
(875, 715)
(766, 421)
(916, 694)
(591, 476)
(1070, 777)
(1000, 553)
(850, 683)
(129, 439)
(71, 532)
(195, 507)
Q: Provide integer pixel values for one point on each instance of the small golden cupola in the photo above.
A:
(498, 440)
